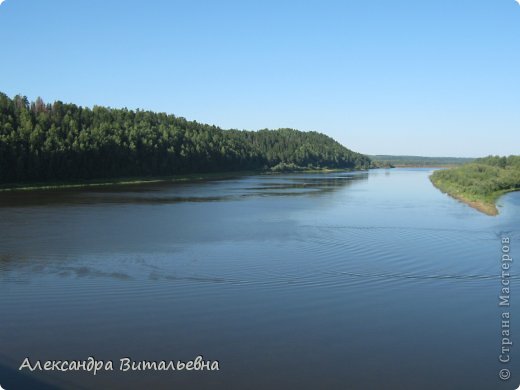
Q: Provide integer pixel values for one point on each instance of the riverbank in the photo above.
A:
(485, 204)
(480, 183)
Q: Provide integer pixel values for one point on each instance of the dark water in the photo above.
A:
(331, 281)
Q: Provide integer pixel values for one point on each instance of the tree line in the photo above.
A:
(54, 142)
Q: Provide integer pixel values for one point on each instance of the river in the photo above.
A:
(361, 280)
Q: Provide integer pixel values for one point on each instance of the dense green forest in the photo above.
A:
(481, 182)
(64, 142)
(386, 161)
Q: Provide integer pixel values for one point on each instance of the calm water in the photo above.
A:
(333, 281)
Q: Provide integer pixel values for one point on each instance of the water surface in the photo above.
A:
(338, 281)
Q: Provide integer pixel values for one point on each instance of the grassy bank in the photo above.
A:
(480, 183)
(485, 204)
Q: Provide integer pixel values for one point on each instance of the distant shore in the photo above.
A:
(425, 166)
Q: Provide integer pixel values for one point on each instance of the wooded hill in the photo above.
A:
(64, 142)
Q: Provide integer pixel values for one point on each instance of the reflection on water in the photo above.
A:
(338, 280)
(164, 192)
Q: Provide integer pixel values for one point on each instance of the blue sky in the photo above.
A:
(433, 78)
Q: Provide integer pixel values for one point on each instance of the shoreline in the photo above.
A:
(487, 206)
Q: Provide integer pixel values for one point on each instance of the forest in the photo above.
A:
(49, 142)
(481, 182)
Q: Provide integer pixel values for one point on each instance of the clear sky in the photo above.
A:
(432, 78)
